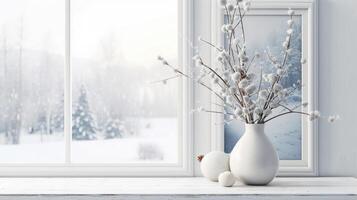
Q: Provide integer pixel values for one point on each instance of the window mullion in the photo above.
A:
(67, 89)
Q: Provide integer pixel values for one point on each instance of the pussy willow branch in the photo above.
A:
(204, 85)
(199, 82)
(285, 113)
(251, 61)
(231, 33)
(261, 80)
(166, 79)
(250, 117)
(225, 83)
(243, 103)
(273, 62)
(241, 20)
(259, 88)
(210, 44)
(217, 48)
(230, 64)
(287, 108)
(232, 36)
(213, 71)
(230, 50)
(234, 12)
(271, 94)
(234, 28)
(228, 16)
(298, 106)
(290, 109)
(218, 112)
(288, 94)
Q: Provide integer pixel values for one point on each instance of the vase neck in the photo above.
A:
(255, 128)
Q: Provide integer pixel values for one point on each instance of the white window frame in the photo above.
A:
(308, 166)
(184, 167)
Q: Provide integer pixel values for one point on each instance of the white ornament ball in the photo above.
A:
(226, 179)
(213, 164)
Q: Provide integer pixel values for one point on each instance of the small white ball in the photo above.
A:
(226, 179)
(213, 164)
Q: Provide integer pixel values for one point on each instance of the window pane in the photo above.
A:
(120, 114)
(31, 81)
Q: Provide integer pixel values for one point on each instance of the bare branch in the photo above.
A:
(241, 22)
(166, 79)
(285, 113)
(210, 44)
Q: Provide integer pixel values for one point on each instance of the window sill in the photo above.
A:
(181, 187)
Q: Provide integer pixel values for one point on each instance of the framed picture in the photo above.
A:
(294, 136)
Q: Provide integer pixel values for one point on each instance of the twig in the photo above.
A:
(241, 22)
(218, 112)
(166, 79)
(261, 79)
(287, 108)
(210, 44)
(199, 82)
(297, 112)
(251, 61)
(212, 70)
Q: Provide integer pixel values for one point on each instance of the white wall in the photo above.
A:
(338, 86)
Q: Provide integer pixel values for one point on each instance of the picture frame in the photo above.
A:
(306, 11)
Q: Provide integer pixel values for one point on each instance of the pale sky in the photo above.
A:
(43, 22)
(139, 30)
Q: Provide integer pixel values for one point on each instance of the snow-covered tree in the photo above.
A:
(57, 122)
(83, 127)
(114, 129)
(14, 92)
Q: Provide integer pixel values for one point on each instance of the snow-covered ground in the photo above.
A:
(156, 141)
(284, 132)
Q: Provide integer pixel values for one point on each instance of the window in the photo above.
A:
(31, 70)
(80, 92)
(117, 106)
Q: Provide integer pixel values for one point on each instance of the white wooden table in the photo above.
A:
(173, 188)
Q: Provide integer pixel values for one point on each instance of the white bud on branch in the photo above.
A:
(291, 12)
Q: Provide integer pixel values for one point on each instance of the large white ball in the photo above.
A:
(226, 179)
(213, 164)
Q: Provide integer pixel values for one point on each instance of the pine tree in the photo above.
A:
(83, 122)
(114, 129)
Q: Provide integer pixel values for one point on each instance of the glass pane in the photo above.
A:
(31, 81)
(120, 114)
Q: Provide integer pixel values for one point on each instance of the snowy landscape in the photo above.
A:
(157, 142)
(119, 113)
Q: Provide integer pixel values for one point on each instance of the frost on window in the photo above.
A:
(31, 81)
(119, 113)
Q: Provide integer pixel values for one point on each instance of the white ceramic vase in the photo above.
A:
(254, 159)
